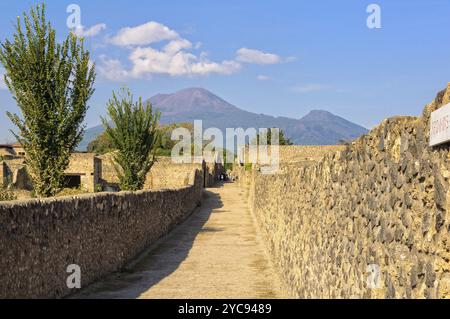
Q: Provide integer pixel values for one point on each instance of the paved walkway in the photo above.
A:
(216, 253)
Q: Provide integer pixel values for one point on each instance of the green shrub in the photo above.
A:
(134, 134)
(6, 194)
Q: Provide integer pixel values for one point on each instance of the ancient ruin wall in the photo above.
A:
(164, 173)
(382, 203)
(98, 232)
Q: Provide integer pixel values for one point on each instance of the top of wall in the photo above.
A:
(300, 153)
(396, 137)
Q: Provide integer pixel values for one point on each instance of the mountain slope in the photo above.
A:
(322, 127)
(316, 128)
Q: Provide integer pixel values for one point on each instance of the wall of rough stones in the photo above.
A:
(98, 232)
(382, 203)
(299, 153)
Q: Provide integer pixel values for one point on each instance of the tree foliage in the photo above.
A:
(134, 135)
(51, 83)
(284, 140)
(102, 145)
(166, 143)
(6, 194)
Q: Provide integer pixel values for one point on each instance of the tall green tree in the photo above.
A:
(134, 135)
(51, 83)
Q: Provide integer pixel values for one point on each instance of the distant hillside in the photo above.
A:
(316, 128)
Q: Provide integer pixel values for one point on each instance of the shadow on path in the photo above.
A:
(216, 253)
(161, 260)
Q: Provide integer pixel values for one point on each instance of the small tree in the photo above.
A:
(51, 84)
(283, 140)
(5, 192)
(134, 135)
(100, 145)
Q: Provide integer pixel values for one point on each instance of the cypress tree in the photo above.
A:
(51, 83)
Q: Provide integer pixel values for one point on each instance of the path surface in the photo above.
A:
(216, 253)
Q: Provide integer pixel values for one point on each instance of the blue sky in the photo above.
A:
(282, 58)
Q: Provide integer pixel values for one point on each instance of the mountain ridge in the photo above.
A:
(318, 127)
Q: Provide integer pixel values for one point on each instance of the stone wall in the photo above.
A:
(88, 167)
(3, 174)
(14, 171)
(164, 174)
(85, 165)
(380, 204)
(98, 232)
(300, 153)
(95, 171)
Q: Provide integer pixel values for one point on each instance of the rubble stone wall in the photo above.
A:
(369, 221)
(100, 233)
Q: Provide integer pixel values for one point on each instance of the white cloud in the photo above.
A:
(177, 45)
(112, 69)
(308, 88)
(174, 55)
(172, 60)
(169, 61)
(255, 56)
(90, 32)
(148, 33)
(263, 78)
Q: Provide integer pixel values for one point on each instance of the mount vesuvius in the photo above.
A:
(316, 128)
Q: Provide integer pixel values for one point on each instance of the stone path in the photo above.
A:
(216, 253)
